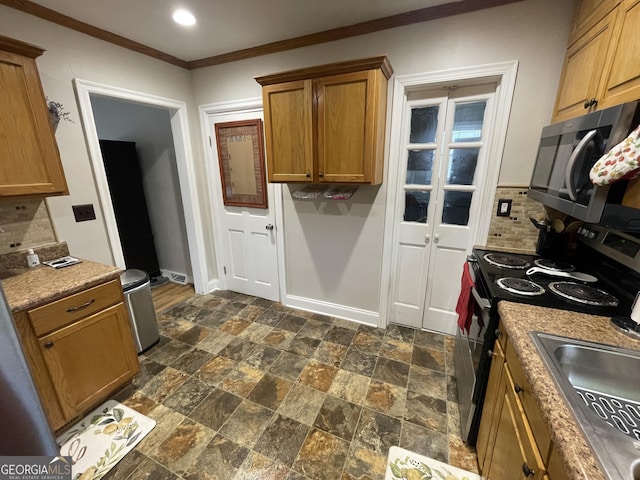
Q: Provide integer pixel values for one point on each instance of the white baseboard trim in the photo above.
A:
(357, 315)
(213, 285)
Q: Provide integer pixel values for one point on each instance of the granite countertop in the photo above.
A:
(26, 288)
(520, 319)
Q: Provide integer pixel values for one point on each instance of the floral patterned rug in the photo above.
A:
(405, 465)
(102, 438)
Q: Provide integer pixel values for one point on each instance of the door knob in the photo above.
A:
(427, 238)
(436, 238)
(269, 227)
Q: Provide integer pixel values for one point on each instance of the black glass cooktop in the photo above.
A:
(487, 276)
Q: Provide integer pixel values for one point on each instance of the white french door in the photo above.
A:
(248, 249)
(443, 158)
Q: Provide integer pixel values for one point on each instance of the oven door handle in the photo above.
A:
(483, 303)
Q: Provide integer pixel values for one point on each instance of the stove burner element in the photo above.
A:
(520, 286)
(504, 260)
(555, 265)
(583, 294)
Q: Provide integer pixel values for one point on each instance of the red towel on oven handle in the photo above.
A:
(465, 305)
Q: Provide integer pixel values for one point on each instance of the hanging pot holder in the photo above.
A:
(620, 163)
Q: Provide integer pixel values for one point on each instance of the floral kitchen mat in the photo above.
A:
(102, 438)
(405, 465)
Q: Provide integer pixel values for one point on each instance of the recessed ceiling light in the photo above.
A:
(184, 17)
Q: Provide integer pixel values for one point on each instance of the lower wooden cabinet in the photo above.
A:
(83, 360)
(515, 452)
(512, 441)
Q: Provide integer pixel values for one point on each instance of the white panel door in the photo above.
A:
(248, 251)
(423, 124)
(442, 159)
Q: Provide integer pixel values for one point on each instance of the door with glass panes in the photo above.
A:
(442, 160)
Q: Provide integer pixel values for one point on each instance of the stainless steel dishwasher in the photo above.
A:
(136, 286)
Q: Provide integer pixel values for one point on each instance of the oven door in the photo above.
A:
(466, 359)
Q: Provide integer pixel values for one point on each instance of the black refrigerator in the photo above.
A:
(124, 176)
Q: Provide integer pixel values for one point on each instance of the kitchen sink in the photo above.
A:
(601, 384)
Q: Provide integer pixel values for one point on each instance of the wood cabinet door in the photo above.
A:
(582, 71)
(288, 115)
(90, 359)
(349, 110)
(622, 82)
(587, 14)
(515, 454)
(29, 158)
(492, 408)
(342, 111)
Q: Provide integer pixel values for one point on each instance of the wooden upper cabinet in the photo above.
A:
(289, 131)
(622, 77)
(602, 64)
(582, 72)
(327, 123)
(29, 158)
(587, 13)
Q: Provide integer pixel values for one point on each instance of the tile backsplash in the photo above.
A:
(25, 223)
(516, 231)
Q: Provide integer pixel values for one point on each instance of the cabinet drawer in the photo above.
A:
(525, 394)
(69, 309)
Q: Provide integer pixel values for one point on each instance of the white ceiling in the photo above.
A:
(225, 26)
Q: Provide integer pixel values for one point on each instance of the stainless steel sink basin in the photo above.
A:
(601, 385)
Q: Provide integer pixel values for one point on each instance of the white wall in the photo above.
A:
(333, 251)
(150, 129)
(70, 55)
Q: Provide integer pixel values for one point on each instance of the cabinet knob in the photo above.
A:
(308, 174)
(498, 333)
(590, 103)
(48, 345)
(491, 353)
(320, 174)
(518, 388)
(527, 471)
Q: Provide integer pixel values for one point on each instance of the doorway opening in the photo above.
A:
(167, 171)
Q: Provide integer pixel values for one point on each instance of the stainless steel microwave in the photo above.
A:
(566, 153)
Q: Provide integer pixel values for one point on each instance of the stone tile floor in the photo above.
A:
(244, 388)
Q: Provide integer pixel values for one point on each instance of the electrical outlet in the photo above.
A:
(82, 213)
(504, 207)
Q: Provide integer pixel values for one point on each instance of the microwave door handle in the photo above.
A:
(573, 160)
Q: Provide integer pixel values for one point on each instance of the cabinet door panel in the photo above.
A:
(515, 445)
(623, 74)
(89, 359)
(29, 158)
(582, 71)
(491, 410)
(587, 14)
(343, 147)
(289, 131)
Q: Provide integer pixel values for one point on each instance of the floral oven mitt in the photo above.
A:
(621, 162)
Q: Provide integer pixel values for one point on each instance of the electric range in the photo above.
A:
(613, 258)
